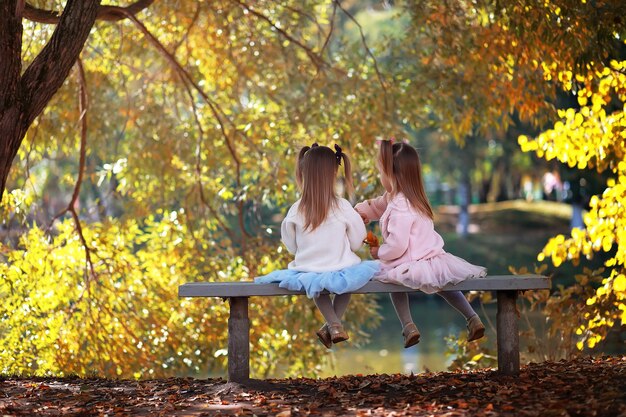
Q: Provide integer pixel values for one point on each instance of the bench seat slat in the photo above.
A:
(249, 288)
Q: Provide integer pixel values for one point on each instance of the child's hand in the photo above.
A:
(371, 239)
(374, 251)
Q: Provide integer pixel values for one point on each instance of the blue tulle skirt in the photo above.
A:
(337, 282)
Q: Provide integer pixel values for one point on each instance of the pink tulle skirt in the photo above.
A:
(430, 275)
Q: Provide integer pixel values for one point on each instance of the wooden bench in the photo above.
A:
(506, 286)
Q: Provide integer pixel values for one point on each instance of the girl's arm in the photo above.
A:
(288, 235)
(373, 208)
(397, 241)
(355, 229)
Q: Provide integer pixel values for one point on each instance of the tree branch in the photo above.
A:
(82, 107)
(71, 207)
(367, 50)
(331, 29)
(315, 59)
(203, 199)
(186, 78)
(48, 71)
(106, 13)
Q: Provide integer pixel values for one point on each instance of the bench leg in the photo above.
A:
(508, 333)
(238, 340)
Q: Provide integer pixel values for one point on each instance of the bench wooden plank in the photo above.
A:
(250, 289)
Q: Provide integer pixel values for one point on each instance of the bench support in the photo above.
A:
(238, 340)
(507, 333)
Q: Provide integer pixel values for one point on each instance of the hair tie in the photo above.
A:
(338, 153)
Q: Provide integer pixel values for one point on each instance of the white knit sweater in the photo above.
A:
(331, 246)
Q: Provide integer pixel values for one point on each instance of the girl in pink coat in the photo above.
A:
(412, 251)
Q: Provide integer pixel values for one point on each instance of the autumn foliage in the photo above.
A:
(593, 135)
(167, 156)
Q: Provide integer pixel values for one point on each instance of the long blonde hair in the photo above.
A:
(400, 163)
(316, 173)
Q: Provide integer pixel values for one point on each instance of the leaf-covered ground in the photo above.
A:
(581, 387)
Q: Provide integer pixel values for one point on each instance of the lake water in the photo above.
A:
(385, 352)
(436, 320)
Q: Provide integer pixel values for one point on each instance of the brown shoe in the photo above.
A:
(324, 336)
(411, 335)
(337, 333)
(475, 328)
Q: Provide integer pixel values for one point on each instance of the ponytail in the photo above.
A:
(386, 157)
(303, 151)
(347, 170)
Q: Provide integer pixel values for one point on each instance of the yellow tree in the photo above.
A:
(490, 63)
(165, 156)
(593, 136)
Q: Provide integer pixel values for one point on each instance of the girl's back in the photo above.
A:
(328, 247)
(323, 231)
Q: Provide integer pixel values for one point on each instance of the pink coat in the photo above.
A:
(412, 251)
(408, 235)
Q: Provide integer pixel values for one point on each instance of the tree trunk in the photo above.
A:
(10, 69)
(23, 98)
(10, 137)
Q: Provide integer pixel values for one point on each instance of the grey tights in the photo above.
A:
(332, 310)
(456, 299)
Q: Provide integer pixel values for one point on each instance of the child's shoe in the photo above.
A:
(337, 333)
(411, 335)
(324, 336)
(475, 328)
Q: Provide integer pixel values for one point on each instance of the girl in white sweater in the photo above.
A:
(322, 230)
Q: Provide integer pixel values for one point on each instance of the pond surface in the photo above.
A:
(385, 352)
(436, 320)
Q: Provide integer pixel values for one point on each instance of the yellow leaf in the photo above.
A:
(477, 357)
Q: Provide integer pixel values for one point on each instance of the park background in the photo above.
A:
(167, 156)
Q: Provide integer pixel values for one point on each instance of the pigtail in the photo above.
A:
(303, 151)
(347, 174)
(386, 157)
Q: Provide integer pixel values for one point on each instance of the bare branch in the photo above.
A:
(315, 59)
(71, 207)
(332, 27)
(194, 20)
(106, 13)
(48, 71)
(186, 78)
(82, 107)
(203, 199)
(368, 51)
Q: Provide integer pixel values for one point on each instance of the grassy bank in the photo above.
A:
(509, 233)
